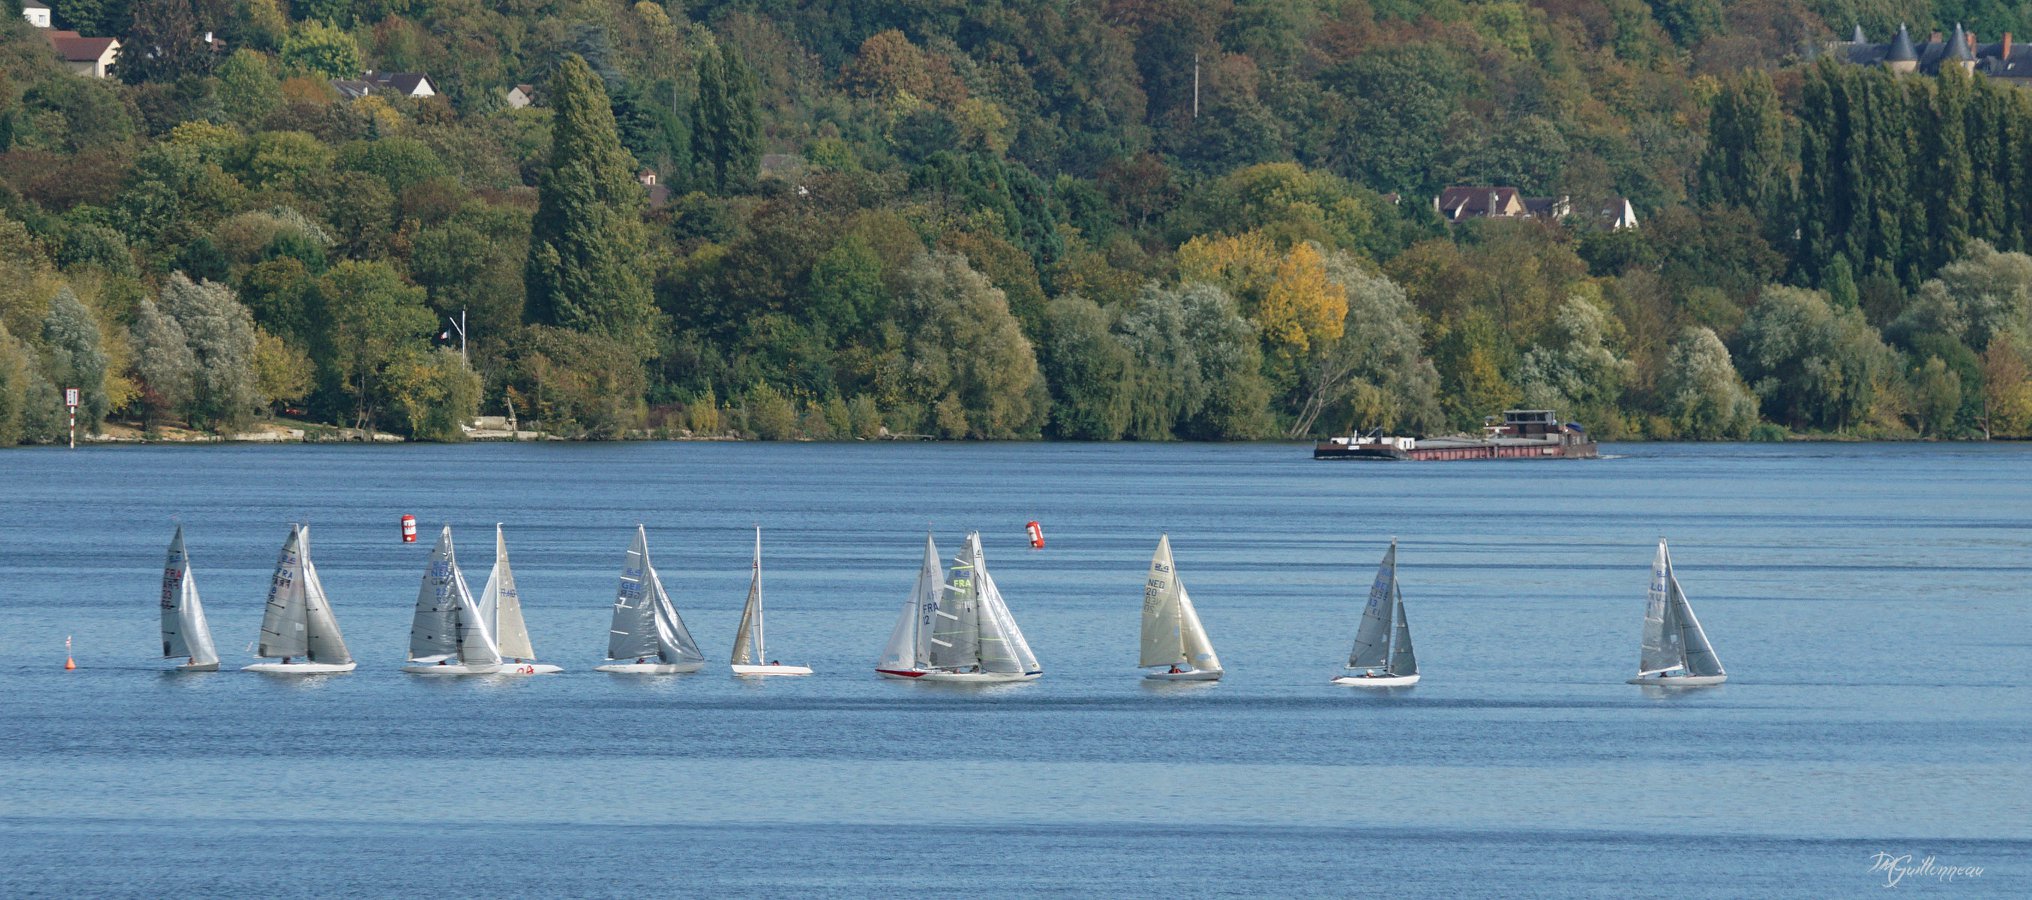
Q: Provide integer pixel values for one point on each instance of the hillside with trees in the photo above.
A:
(990, 219)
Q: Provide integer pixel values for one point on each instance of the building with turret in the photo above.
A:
(2003, 59)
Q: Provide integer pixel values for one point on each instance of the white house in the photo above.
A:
(36, 12)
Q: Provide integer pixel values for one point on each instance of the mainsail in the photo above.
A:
(184, 632)
(633, 633)
(1372, 639)
(748, 643)
(910, 642)
(956, 624)
(501, 605)
(1663, 646)
(1163, 644)
(434, 628)
(322, 641)
(284, 619)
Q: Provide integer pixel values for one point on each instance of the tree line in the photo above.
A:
(1139, 219)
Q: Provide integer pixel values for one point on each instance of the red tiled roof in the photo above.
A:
(77, 48)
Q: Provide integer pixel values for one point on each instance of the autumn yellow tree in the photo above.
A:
(1302, 306)
(1244, 265)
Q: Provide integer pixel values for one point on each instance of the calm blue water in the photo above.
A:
(1870, 603)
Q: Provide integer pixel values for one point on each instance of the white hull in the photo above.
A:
(450, 669)
(297, 668)
(977, 677)
(1194, 675)
(650, 668)
(901, 674)
(197, 667)
(1679, 680)
(502, 669)
(758, 671)
(1377, 681)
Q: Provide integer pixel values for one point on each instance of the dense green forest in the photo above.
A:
(1143, 219)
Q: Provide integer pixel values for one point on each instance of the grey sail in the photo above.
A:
(501, 604)
(748, 645)
(956, 624)
(909, 644)
(633, 633)
(994, 609)
(184, 631)
(1402, 660)
(1700, 655)
(1163, 641)
(1661, 645)
(284, 620)
(322, 640)
(1372, 639)
(673, 640)
(434, 627)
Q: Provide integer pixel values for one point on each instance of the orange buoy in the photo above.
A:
(409, 529)
(70, 665)
(1036, 535)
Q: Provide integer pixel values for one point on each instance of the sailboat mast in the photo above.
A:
(761, 645)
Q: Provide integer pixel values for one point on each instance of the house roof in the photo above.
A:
(33, 4)
(1462, 202)
(77, 48)
(406, 82)
(352, 88)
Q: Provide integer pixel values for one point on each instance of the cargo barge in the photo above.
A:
(1522, 434)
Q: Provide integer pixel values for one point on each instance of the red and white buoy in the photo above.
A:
(1036, 535)
(409, 529)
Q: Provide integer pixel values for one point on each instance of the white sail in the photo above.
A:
(673, 640)
(1700, 658)
(283, 621)
(184, 631)
(1199, 650)
(956, 625)
(994, 609)
(748, 643)
(1662, 648)
(434, 627)
(1372, 639)
(910, 641)
(476, 645)
(633, 634)
(501, 605)
(322, 640)
(1402, 660)
(1163, 640)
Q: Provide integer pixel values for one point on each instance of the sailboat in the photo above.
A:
(1172, 634)
(1676, 652)
(749, 649)
(1382, 656)
(501, 609)
(908, 653)
(184, 632)
(974, 637)
(645, 625)
(448, 636)
(298, 623)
